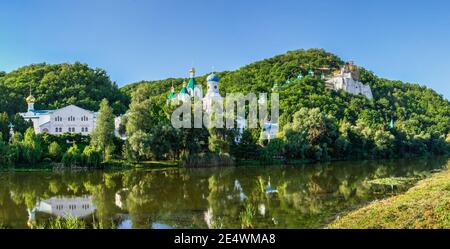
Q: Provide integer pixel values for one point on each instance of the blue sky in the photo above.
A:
(144, 40)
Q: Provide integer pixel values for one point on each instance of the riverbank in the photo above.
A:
(426, 205)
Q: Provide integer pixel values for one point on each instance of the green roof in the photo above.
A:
(184, 90)
(192, 83)
(171, 95)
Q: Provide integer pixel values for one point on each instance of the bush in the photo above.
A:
(55, 151)
(72, 157)
(207, 160)
(91, 157)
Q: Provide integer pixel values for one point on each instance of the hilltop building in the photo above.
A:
(347, 79)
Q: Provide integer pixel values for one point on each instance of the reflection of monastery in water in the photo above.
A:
(65, 207)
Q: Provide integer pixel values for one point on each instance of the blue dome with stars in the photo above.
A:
(213, 77)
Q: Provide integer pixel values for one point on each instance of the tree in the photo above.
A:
(315, 131)
(102, 138)
(295, 142)
(4, 126)
(59, 85)
(91, 157)
(32, 149)
(55, 151)
(246, 148)
(20, 125)
(217, 142)
(3, 152)
(72, 157)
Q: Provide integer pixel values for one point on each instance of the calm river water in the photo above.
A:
(308, 196)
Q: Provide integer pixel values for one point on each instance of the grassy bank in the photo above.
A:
(426, 205)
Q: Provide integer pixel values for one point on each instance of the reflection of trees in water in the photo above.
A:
(304, 196)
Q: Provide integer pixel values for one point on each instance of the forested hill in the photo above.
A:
(416, 110)
(55, 86)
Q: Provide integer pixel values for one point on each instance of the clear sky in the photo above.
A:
(145, 40)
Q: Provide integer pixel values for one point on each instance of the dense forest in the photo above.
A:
(315, 124)
(56, 86)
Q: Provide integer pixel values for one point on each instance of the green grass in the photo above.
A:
(393, 181)
(63, 223)
(426, 205)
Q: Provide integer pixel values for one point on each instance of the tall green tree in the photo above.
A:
(102, 138)
(4, 129)
(32, 149)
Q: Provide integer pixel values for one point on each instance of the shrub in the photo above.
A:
(55, 151)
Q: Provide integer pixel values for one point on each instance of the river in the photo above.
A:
(307, 196)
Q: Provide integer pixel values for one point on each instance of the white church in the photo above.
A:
(69, 119)
(194, 90)
(348, 80)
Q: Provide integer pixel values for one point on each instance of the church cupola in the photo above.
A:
(194, 89)
(30, 101)
(172, 94)
(212, 95)
(192, 82)
(213, 83)
(184, 89)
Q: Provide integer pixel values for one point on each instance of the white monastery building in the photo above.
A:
(348, 80)
(69, 119)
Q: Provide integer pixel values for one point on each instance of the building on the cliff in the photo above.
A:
(347, 79)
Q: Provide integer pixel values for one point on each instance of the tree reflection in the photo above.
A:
(248, 197)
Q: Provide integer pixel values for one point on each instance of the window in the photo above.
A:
(60, 129)
(86, 129)
(56, 129)
(58, 119)
(71, 118)
(84, 118)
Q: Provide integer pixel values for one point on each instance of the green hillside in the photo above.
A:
(315, 124)
(56, 86)
(415, 108)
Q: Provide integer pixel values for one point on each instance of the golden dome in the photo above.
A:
(30, 99)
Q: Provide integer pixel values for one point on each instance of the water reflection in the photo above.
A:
(65, 207)
(257, 197)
